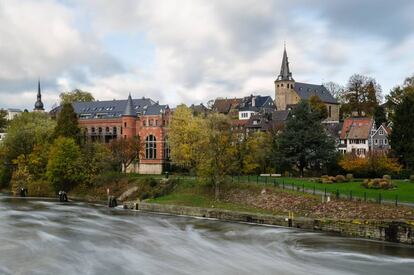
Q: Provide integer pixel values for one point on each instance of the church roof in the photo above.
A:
(306, 91)
(39, 103)
(285, 73)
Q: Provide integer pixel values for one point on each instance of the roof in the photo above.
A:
(224, 105)
(155, 109)
(357, 128)
(129, 108)
(306, 91)
(281, 115)
(15, 110)
(256, 102)
(109, 109)
(285, 73)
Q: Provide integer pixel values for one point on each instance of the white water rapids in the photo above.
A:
(48, 237)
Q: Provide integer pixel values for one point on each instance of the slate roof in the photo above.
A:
(113, 108)
(306, 91)
(260, 102)
(129, 108)
(281, 115)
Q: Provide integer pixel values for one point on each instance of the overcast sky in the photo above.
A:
(193, 51)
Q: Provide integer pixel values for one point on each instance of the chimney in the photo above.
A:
(253, 101)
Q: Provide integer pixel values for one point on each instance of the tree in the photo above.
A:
(361, 96)
(3, 119)
(304, 142)
(397, 94)
(216, 153)
(257, 156)
(185, 135)
(23, 133)
(96, 159)
(336, 90)
(125, 151)
(373, 165)
(75, 96)
(402, 134)
(318, 107)
(67, 123)
(379, 115)
(64, 167)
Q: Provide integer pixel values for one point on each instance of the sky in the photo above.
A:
(191, 51)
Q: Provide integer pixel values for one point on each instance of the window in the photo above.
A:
(150, 147)
(156, 122)
(381, 132)
(144, 122)
(114, 130)
(381, 142)
(281, 85)
(150, 122)
(330, 111)
(125, 124)
(385, 141)
(107, 129)
(376, 141)
(100, 130)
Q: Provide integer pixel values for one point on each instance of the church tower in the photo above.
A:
(39, 104)
(284, 84)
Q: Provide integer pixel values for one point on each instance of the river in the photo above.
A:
(48, 237)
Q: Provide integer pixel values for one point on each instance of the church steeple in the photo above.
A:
(39, 104)
(285, 73)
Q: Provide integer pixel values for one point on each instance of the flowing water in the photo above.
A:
(48, 237)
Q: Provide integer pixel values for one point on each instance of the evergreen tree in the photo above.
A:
(402, 135)
(304, 142)
(379, 115)
(67, 123)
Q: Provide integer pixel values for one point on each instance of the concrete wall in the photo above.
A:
(393, 231)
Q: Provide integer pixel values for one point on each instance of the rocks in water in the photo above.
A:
(63, 197)
(23, 192)
(112, 202)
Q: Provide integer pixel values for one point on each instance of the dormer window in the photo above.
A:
(381, 132)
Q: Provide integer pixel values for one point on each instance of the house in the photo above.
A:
(380, 139)
(254, 104)
(288, 92)
(227, 106)
(355, 136)
(104, 121)
(199, 110)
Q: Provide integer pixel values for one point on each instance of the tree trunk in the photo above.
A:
(216, 191)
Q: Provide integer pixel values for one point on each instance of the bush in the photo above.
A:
(378, 184)
(40, 188)
(349, 177)
(412, 178)
(340, 178)
(387, 177)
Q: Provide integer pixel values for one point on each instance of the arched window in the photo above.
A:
(166, 149)
(150, 147)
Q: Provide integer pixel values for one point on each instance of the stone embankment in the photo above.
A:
(392, 231)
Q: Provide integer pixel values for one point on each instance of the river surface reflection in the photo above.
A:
(47, 237)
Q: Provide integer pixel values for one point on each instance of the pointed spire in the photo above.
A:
(129, 109)
(285, 73)
(39, 103)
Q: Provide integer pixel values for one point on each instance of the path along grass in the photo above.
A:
(404, 190)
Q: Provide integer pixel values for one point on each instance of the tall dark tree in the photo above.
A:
(67, 123)
(361, 96)
(397, 93)
(402, 134)
(304, 142)
(380, 115)
(3, 119)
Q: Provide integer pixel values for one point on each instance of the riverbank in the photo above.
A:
(386, 230)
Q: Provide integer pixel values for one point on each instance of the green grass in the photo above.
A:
(191, 193)
(404, 189)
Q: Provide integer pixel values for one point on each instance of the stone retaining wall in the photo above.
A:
(393, 231)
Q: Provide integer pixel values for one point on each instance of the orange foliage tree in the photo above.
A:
(373, 165)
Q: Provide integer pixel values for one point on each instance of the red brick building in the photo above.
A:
(107, 120)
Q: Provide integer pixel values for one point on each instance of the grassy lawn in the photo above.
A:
(404, 189)
(190, 193)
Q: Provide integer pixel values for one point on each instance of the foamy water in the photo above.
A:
(47, 237)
